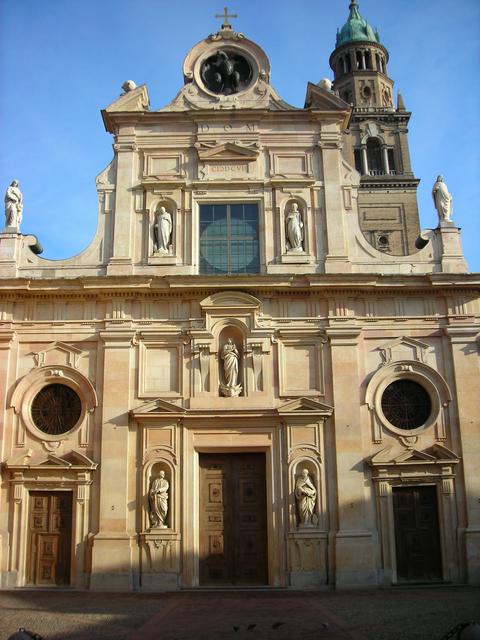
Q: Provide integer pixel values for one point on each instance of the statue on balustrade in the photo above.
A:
(443, 200)
(13, 205)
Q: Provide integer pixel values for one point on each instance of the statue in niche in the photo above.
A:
(306, 496)
(13, 205)
(158, 501)
(230, 357)
(294, 229)
(442, 200)
(162, 231)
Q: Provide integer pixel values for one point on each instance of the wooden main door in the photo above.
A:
(50, 534)
(416, 534)
(233, 535)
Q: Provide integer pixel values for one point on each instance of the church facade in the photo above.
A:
(260, 372)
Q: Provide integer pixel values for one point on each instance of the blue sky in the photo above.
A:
(62, 61)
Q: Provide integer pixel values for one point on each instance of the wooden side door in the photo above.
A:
(50, 529)
(416, 534)
(233, 542)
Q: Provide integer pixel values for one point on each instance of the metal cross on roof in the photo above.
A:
(225, 15)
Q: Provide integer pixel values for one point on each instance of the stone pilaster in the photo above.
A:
(354, 545)
(10, 248)
(466, 363)
(123, 232)
(111, 559)
(452, 258)
(336, 259)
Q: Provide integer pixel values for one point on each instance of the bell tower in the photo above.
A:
(376, 143)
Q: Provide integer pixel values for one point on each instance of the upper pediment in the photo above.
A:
(70, 354)
(404, 348)
(132, 100)
(156, 407)
(227, 151)
(320, 99)
(302, 406)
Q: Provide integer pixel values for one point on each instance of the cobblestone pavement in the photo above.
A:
(393, 614)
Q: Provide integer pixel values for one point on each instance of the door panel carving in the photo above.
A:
(50, 528)
(233, 544)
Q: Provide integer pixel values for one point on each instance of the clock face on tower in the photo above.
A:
(226, 72)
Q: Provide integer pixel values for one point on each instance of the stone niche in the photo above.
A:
(231, 339)
(159, 541)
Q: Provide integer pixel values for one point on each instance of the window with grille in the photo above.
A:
(406, 404)
(229, 240)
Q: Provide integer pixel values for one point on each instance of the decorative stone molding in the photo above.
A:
(433, 383)
(28, 387)
(73, 354)
(435, 466)
(35, 471)
(294, 354)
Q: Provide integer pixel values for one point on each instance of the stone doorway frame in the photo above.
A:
(244, 437)
(72, 472)
(417, 468)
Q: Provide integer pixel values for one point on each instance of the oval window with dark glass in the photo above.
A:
(406, 404)
(56, 409)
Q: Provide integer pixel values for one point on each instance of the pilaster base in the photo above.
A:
(119, 267)
(355, 560)
(112, 563)
(452, 258)
(472, 547)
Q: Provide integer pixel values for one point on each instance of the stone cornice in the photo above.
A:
(113, 121)
(133, 286)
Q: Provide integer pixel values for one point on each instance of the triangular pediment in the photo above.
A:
(157, 407)
(305, 406)
(37, 460)
(436, 454)
(61, 346)
(320, 99)
(227, 151)
(403, 340)
(71, 358)
(413, 455)
(135, 100)
(53, 460)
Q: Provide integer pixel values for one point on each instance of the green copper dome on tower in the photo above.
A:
(356, 28)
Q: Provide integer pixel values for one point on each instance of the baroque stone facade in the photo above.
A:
(237, 382)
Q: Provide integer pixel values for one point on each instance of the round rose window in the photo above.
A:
(406, 404)
(56, 409)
